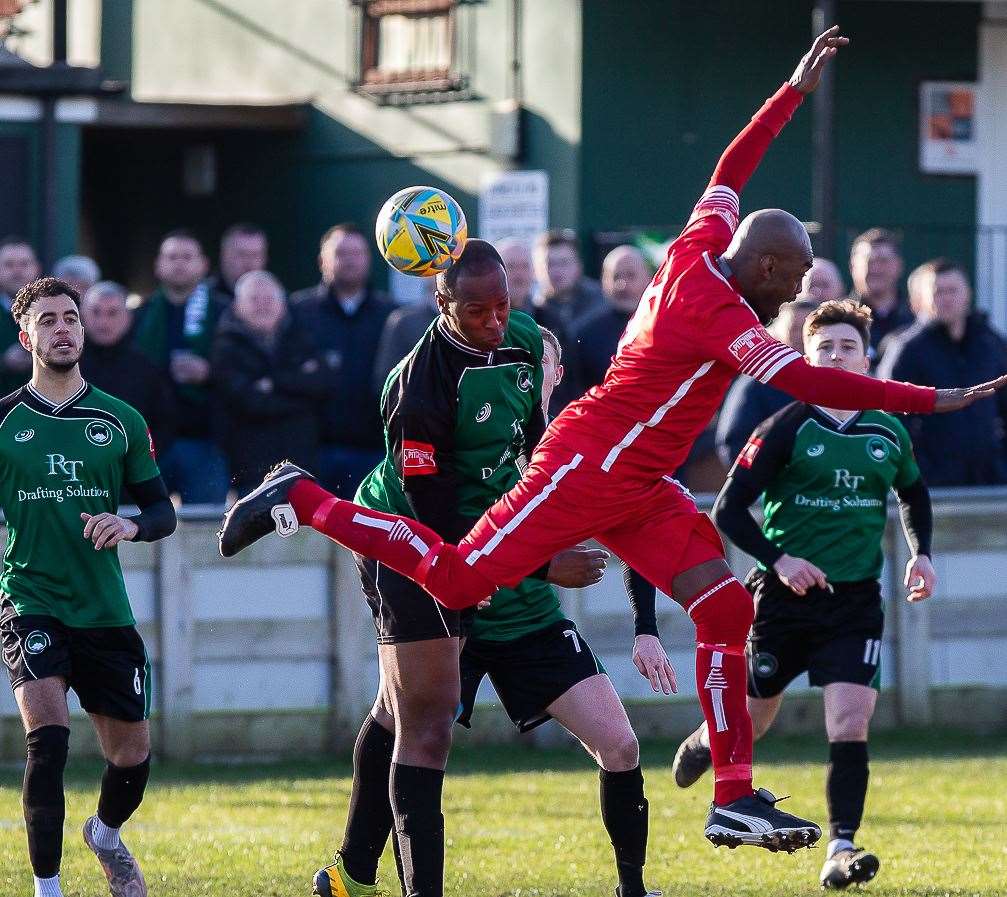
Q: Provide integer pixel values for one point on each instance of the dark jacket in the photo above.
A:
(268, 396)
(596, 340)
(747, 404)
(403, 330)
(349, 344)
(122, 371)
(967, 447)
(9, 329)
(160, 328)
(563, 319)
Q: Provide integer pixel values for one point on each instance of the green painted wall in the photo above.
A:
(668, 84)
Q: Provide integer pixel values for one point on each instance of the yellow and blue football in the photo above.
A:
(421, 231)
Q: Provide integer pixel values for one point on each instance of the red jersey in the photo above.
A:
(693, 333)
(689, 338)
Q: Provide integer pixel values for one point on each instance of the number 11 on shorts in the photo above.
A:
(872, 649)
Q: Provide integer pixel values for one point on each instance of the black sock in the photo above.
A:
(624, 812)
(369, 821)
(121, 792)
(415, 793)
(846, 787)
(43, 799)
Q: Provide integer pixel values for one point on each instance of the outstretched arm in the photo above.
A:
(742, 157)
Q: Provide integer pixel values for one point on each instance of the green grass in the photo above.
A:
(524, 822)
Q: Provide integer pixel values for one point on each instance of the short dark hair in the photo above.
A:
(344, 227)
(558, 236)
(550, 339)
(242, 229)
(182, 233)
(41, 288)
(840, 311)
(877, 235)
(478, 257)
(945, 266)
(15, 240)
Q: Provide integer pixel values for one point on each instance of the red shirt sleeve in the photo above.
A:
(733, 335)
(836, 388)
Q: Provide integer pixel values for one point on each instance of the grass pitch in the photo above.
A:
(526, 822)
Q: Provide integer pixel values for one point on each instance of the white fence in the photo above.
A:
(273, 651)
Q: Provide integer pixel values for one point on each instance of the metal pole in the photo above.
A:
(823, 142)
(58, 31)
(49, 193)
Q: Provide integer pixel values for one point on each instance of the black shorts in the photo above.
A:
(834, 637)
(528, 673)
(107, 667)
(404, 612)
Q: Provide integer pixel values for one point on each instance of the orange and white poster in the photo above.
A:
(948, 139)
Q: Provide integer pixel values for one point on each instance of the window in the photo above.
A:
(409, 51)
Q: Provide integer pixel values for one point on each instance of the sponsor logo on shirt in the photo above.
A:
(748, 342)
(484, 413)
(98, 433)
(60, 466)
(848, 480)
(746, 457)
(418, 459)
(24, 435)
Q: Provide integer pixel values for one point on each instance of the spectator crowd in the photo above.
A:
(232, 373)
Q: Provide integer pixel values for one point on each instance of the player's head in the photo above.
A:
(344, 258)
(945, 292)
(47, 311)
(838, 334)
(181, 263)
(18, 264)
(472, 296)
(624, 277)
(769, 256)
(876, 264)
(105, 313)
(552, 365)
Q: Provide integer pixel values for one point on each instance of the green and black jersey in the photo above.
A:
(57, 462)
(458, 426)
(824, 485)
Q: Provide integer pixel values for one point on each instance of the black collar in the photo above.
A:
(38, 402)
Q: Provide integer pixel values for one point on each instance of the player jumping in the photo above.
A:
(600, 470)
(66, 451)
(824, 476)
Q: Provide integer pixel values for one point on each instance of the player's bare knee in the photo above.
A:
(849, 724)
(621, 755)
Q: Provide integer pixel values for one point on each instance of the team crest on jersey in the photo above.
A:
(748, 342)
(877, 448)
(98, 433)
(765, 664)
(746, 457)
(24, 435)
(815, 450)
(484, 413)
(37, 641)
(418, 459)
(524, 381)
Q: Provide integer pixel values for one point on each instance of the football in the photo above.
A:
(421, 231)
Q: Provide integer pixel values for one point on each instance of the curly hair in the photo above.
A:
(840, 311)
(41, 288)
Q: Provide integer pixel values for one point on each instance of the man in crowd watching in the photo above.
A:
(174, 328)
(18, 267)
(244, 247)
(520, 272)
(823, 282)
(952, 344)
(113, 364)
(876, 267)
(346, 317)
(269, 382)
(80, 271)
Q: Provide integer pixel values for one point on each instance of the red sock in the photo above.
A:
(723, 615)
(404, 544)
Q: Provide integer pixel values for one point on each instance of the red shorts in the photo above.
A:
(563, 499)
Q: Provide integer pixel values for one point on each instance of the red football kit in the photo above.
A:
(599, 472)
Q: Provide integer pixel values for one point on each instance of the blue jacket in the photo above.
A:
(967, 447)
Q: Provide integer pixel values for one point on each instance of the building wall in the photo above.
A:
(654, 128)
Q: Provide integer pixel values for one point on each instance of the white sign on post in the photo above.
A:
(514, 204)
(949, 143)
